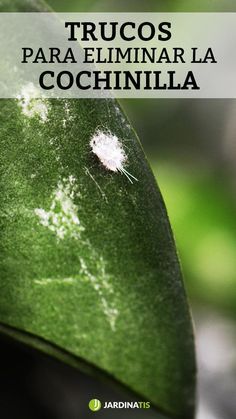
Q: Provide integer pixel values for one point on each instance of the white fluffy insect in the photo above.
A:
(110, 152)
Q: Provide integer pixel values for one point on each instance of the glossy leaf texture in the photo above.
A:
(88, 264)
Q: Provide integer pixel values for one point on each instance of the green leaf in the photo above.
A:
(89, 271)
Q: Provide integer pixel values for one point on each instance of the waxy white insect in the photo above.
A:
(110, 152)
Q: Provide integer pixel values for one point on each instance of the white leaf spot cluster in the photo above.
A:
(49, 281)
(104, 289)
(99, 280)
(68, 117)
(31, 105)
(62, 217)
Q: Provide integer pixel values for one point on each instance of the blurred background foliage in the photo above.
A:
(143, 5)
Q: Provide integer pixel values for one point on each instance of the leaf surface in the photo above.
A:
(88, 264)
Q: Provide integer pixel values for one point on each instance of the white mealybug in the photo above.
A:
(110, 152)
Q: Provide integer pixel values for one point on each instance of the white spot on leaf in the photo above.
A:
(68, 117)
(48, 281)
(101, 284)
(99, 280)
(62, 217)
(30, 104)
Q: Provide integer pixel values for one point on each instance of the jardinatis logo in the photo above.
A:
(96, 405)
